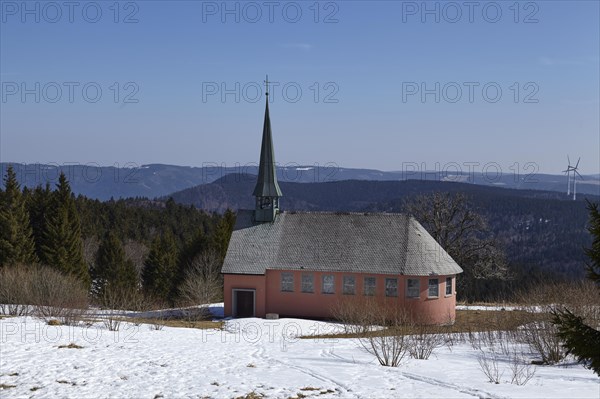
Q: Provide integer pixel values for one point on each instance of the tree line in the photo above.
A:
(134, 245)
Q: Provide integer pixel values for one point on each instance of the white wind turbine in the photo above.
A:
(568, 172)
(575, 174)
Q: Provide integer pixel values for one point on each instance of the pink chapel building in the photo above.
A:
(302, 264)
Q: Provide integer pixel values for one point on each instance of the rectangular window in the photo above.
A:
(412, 288)
(370, 286)
(348, 285)
(391, 287)
(433, 288)
(287, 282)
(308, 283)
(448, 285)
(328, 284)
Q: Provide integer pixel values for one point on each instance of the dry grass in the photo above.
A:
(466, 321)
(199, 324)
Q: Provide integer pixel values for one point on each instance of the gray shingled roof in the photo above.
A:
(379, 243)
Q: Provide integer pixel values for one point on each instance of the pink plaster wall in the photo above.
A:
(243, 281)
(270, 298)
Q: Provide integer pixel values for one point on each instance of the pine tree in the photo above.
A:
(16, 237)
(579, 338)
(160, 268)
(39, 203)
(222, 233)
(63, 246)
(192, 248)
(113, 270)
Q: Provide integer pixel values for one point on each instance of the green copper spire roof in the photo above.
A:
(266, 184)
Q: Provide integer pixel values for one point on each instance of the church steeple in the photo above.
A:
(267, 191)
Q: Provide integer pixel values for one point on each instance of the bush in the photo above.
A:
(363, 317)
(43, 292)
(541, 335)
(15, 291)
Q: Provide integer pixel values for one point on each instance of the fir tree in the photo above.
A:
(579, 338)
(16, 237)
(192, 248)
(113, 270)
(222, 233)
(38, 203)
(62, 246)
(160, 268)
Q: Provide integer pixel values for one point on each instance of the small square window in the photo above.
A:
(370, 284)
(287, 282)
(328, 284)
(433, 288)
(308, 283)
(349, 284)
(448, 285)
(391, 287)
(412, 288)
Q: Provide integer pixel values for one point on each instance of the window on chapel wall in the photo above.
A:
(308, 283)
(412, 288)
(391, 287)
(433, 288)
(287, 282)
(370, 284)
(328, 286)
(448, 285)
(349, 284)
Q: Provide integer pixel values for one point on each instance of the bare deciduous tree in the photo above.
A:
(462, 232)
(203, 282)
(90, 248)
(137, 252)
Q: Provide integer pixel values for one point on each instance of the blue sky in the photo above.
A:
(361, 67)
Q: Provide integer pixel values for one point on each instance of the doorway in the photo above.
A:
(243, 303)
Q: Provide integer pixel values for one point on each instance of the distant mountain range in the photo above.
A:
(157, 180)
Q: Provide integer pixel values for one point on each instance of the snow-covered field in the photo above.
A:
(249, 355)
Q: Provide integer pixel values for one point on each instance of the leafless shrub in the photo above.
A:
(489, 362)
(363, 318)
(354, 314)
(501, 351)
(521, 369)
(15, 290)
(59, 297)
(541, 334)
(425, 338)
(156, 325)
(113, 300)
(43, 292)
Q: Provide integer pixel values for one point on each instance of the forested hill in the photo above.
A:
(538, 229)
